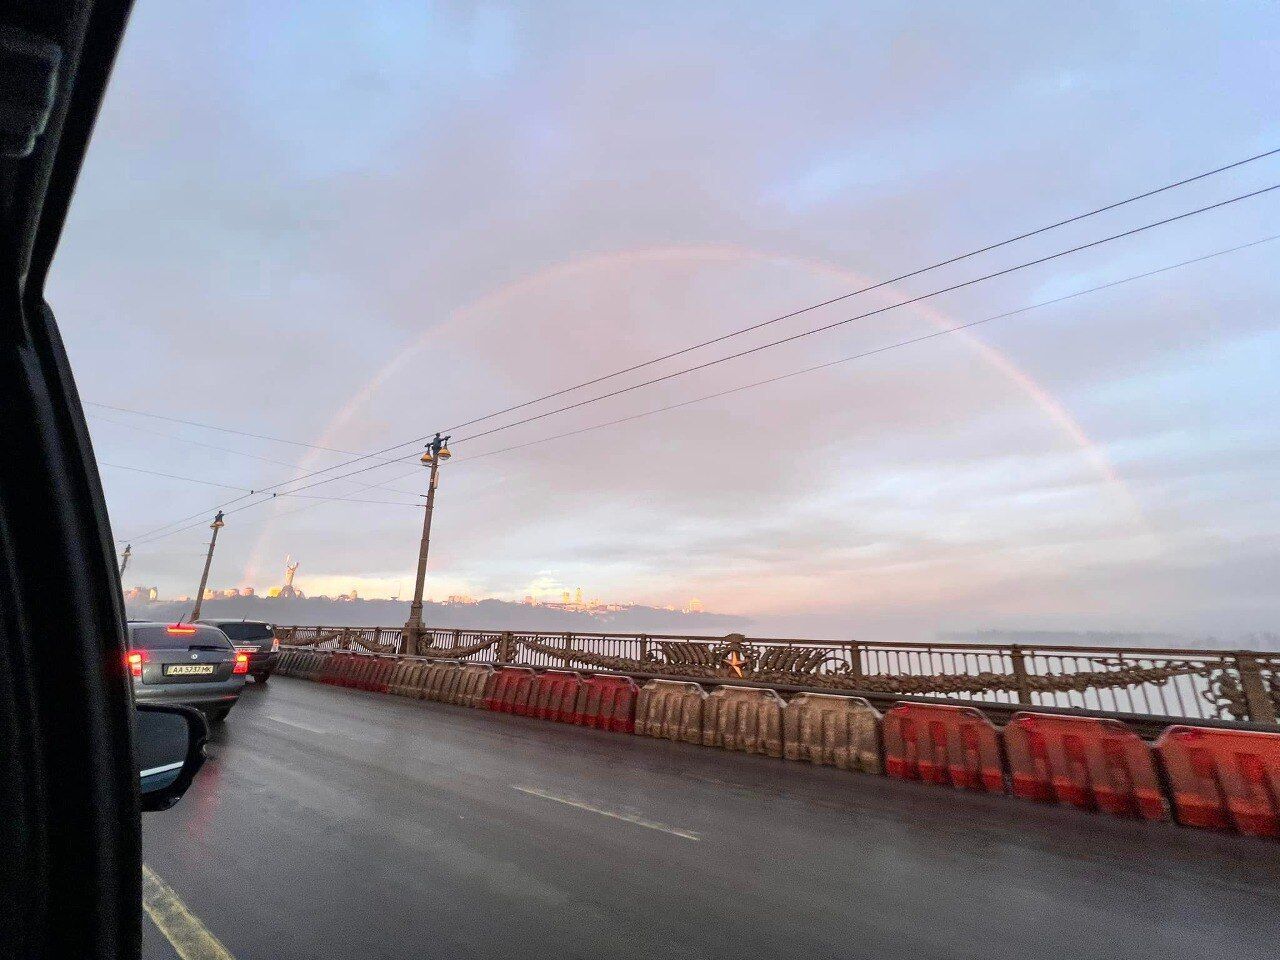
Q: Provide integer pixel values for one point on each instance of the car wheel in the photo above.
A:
(218, 714)
(262, 677)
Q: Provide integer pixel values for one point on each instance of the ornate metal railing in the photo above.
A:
(1191, 684)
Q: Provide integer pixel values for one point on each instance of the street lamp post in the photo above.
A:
(208, 559)
(124, 558)
(437, 450)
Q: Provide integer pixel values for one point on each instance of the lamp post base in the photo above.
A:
(411, 635)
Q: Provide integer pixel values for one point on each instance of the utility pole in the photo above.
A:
(437, 450)
(204, 577)
(124, 559)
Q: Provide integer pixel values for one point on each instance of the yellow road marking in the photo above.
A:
(182, 928)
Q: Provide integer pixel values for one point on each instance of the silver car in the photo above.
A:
(189, 664)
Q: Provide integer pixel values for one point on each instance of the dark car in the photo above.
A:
(257, 639)
(186, 664)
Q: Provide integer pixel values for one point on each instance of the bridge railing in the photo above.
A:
(1180, 683)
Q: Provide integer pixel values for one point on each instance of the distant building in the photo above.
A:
(210, 593)
(461, 599)
(274, 592)
(247, 592)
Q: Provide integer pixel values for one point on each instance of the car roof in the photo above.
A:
(217, 621)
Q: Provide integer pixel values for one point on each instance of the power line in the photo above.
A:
(210, 426)
(913, 273)
(870, 353)
(870, 313)
(858, 356)
(867, 289)
(210, 446)
(170, 476)
(247, 490)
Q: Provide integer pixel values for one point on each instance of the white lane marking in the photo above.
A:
(162, 769)
(625, 817)
(182, 928)
(299, 726)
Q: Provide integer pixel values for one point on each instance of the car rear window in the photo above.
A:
(240, 632)
(159, 636)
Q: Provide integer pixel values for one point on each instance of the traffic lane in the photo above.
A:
(331, 822)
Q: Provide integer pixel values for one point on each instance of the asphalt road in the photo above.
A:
(334, 823)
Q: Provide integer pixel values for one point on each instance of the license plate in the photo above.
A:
(188, 669)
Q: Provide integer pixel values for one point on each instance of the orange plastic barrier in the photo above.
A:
(338, 668)
(938, 744)
(361, 676)
(607, 703)
(1085, 762)
(1229, 779)
(553, 695)
(508, 688)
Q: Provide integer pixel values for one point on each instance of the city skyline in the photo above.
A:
(481, 229)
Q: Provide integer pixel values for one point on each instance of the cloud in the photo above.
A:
(359, 227)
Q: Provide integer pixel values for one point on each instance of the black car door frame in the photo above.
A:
(70, 869)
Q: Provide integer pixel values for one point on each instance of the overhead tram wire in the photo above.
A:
(863, 355)
(867, 289)
(1031, 233)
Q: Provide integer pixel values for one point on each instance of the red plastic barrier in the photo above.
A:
(381, 675)
(355, 675)
(939, 744)
(1229, 779)
(506, 688)
(338, 669)
(553, 695)
(1085, 762)
(607, 703)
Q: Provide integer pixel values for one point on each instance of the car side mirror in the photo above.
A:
(169, 747)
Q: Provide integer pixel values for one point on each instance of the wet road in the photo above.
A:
(335, 823)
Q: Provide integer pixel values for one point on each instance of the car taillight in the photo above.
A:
(275, 644)
(179, 630)
(242, 663)
(134, 660)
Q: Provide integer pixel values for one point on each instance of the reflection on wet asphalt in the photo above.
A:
(336, 823)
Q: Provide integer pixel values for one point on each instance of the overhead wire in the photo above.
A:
(955, 259)
(831, 363)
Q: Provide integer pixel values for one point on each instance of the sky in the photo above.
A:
(350, 226)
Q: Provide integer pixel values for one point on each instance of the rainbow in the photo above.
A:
(511, 293)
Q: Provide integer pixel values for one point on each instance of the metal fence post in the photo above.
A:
(344, 641)
(1256, 696)
(1018, 659)
(506, 648)
(855, 661)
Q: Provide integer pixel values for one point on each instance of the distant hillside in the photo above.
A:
(487, 614)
